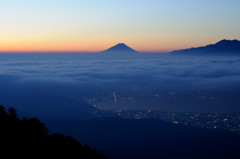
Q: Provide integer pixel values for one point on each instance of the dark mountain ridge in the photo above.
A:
(223, 47)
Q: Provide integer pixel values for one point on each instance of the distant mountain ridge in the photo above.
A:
(221, 47)
(120, 49)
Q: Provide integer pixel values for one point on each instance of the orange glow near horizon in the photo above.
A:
(94, 26)
(40, 46)
(28, 45)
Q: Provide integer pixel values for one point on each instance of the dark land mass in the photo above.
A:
(223, 47)
(29, 138)
(152, 138)
(120, 49)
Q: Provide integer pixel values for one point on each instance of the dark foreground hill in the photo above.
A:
(28, 138)
(153, 139)
(223, 47)
(118, 138)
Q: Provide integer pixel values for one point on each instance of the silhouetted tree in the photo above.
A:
(12, 112)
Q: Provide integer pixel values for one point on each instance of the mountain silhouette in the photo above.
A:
(223, 47)
(120, 49)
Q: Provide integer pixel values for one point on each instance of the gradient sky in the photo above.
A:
(95, 25)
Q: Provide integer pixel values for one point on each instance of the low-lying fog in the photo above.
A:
(58, 85)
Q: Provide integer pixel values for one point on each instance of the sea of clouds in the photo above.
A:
(44, 83)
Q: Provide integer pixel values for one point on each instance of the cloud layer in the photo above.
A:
(27, 75)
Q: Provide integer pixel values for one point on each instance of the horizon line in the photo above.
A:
(76, 52)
